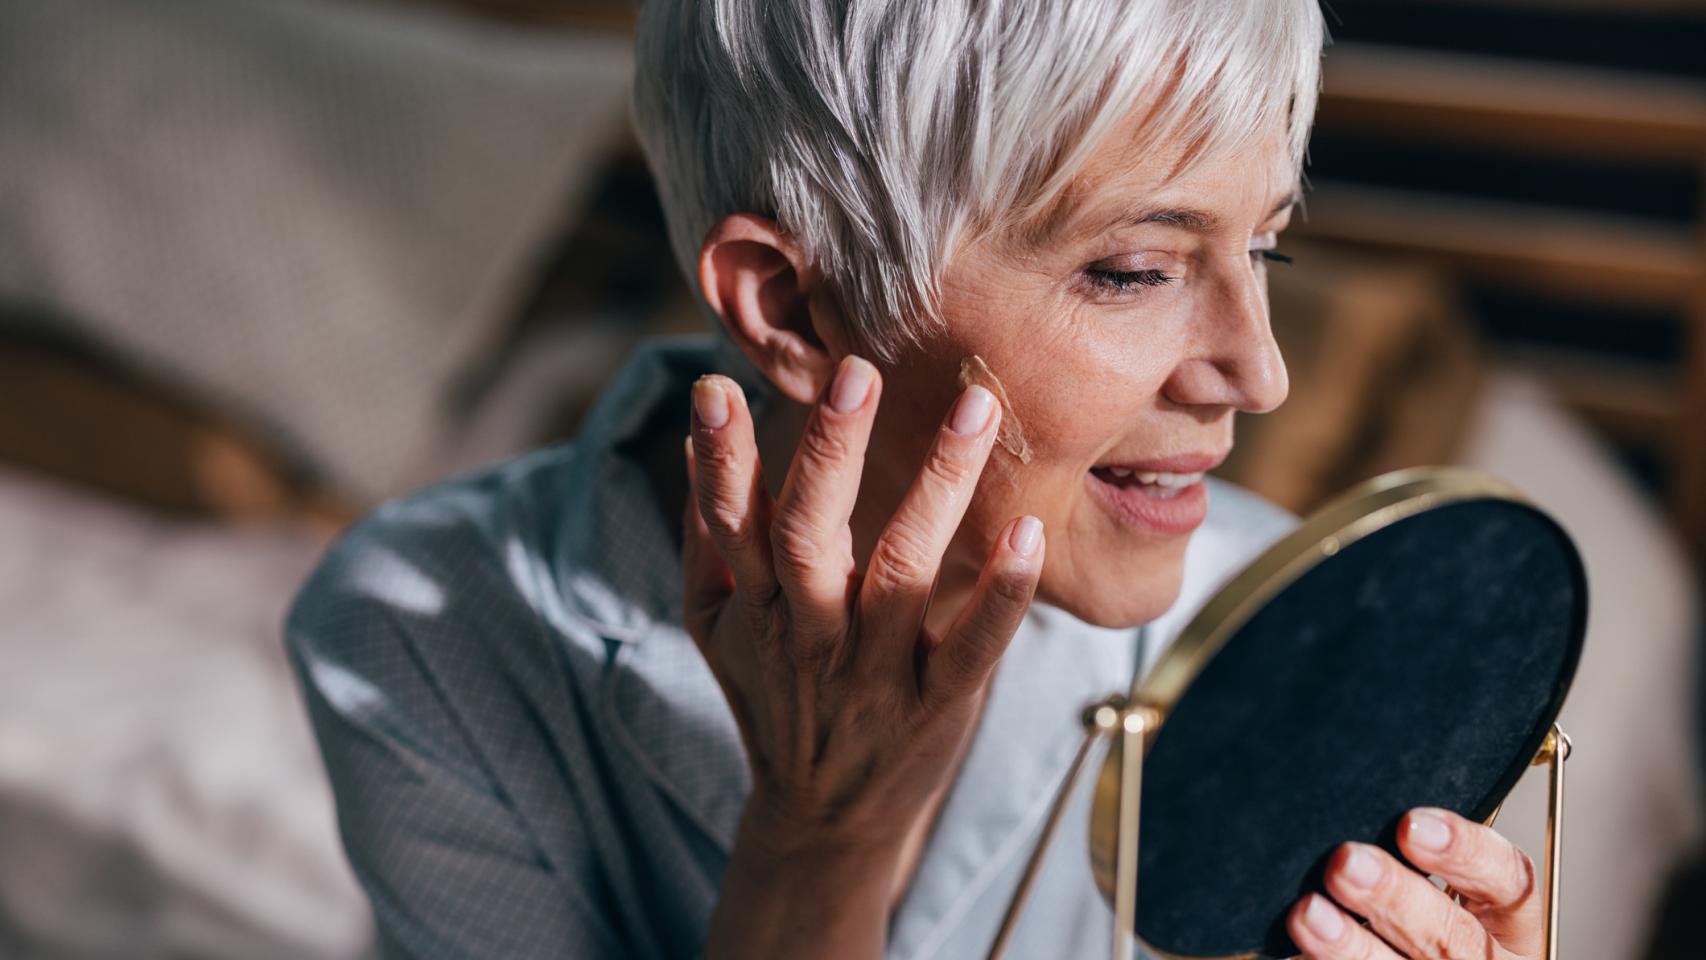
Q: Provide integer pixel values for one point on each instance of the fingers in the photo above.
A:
(706, 579)
(1496, 879)
(808, 533)
(730, 485)
(1404, 908)
(1324, 932)
(962, 661)
(909, 551)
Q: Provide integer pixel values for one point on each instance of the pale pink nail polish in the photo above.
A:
(1362, 870)
(971, 412)
(1429, 832)
(1323, 919)
(852, 384)
(710, 403)
(1027, 533)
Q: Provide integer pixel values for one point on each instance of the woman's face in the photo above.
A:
(1126, 330)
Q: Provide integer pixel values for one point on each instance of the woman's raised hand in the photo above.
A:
(851, 712)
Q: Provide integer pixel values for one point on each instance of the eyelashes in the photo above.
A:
(1126, 281)
(1123, 281)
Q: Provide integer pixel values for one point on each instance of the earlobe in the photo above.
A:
(755, 279)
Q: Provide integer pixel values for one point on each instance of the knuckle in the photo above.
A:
(759, 599)
(947, 468)
(1458, 937)
(969, 655)
(825, 447)
(1390, 898)
(737, 531)
(795, 537)
(1011, 590)
(714, 458)
(1521, 875)
(902, 558)
(723, 509)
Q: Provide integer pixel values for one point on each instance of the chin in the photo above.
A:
(1117, 601)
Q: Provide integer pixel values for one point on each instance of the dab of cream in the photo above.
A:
(1010, 434)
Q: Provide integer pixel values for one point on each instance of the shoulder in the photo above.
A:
(434, 677)
(471, 540)
(433, 601)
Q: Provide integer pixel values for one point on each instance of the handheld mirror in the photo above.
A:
(1409, 644)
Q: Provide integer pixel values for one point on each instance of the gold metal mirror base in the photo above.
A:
(1554, 751)
(1135, 725)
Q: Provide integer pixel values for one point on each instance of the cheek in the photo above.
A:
(1080, 381)
(1077, 400)
(1089, 394)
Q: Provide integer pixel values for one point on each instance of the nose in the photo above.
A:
(1234, 360)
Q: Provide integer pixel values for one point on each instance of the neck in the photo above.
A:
(778, 428)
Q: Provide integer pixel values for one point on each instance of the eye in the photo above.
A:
(1124, 281)
(1272, 255)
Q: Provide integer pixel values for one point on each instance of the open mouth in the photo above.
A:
(1162, 486)
(1151, 503)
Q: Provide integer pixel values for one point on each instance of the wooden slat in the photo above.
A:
(1494, 100)
(1610, 258)
(1688, 490)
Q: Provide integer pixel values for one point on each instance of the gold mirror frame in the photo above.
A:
(1132, 723)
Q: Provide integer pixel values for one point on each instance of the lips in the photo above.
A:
(1156, 483)
(1162, 497)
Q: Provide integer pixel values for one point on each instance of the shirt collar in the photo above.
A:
(616, 556)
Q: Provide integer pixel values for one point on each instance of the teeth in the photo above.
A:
(1175, 481)
(1169, 479)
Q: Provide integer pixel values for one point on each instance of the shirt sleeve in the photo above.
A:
(450, 866)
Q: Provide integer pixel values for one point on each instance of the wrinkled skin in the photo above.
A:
(855, 563)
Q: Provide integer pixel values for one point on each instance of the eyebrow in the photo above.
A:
(1200, 220)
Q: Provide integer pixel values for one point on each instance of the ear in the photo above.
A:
(756, 279)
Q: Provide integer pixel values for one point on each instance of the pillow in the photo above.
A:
(314, 217)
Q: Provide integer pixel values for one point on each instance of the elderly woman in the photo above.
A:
(990, 283)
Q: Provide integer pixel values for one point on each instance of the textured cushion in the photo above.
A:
(313, 216)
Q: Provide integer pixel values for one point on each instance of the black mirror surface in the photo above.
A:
(1422, 664)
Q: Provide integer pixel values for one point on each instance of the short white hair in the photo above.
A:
(882, 134)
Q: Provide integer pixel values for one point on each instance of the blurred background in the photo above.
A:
(266, 262)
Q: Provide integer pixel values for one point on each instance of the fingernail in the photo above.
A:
(1361, 869)
(971, 412)
(710, 403)
(1323, 919)
(1429, 832)
(852, 384)
(1027, 533)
